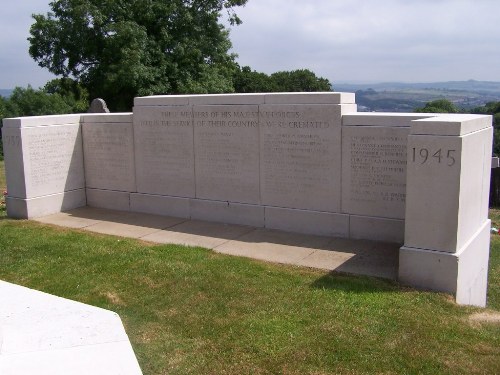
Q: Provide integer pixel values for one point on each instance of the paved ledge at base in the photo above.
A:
(334, 254)
(47, 335)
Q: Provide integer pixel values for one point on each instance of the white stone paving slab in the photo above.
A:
(45, 334)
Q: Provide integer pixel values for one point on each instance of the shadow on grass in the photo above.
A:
(351, 283)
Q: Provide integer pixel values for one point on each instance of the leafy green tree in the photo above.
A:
(119, 49)
(438, 106)
(72, 93)
(299, 80)
(248, 80)
(492, 108)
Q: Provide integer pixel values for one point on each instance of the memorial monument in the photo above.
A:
(300, 162)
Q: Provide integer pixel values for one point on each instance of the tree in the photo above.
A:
(492, 108)
(118, 49)
(299, 80)
(438, 106)
(246, 80)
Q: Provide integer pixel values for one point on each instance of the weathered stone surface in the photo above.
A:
(43, 160)
(109, 156)
(300, 156)
(374, 170)
(164, 155)
(226, 144)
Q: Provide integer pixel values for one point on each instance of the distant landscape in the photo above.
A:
(405, 97)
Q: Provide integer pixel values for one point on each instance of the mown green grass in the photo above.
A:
(192, 311)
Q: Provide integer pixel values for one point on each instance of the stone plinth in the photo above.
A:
(44, 165)
(447, 227)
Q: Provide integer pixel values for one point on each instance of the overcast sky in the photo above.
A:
(342, 40)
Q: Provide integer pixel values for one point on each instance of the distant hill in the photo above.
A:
(6, 92)
(404, 97)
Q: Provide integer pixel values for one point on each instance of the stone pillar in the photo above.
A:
(447, 231)
(43, 165)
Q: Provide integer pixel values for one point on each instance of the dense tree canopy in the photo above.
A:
(438, 106)
(492, 108)
(247, 80)
(118, 49)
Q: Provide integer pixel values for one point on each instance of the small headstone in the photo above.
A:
(98, 106)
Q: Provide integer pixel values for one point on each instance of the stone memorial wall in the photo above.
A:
(301, 162)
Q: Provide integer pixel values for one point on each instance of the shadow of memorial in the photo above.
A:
(350, 256)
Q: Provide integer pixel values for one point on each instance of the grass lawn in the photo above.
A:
(192, 311)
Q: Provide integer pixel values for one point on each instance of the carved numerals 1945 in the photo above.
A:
(424, 155)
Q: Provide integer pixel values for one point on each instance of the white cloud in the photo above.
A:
(372, 40)
(343, 40)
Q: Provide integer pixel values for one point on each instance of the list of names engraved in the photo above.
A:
(54, 160)
(164, 150)
(300, 157)
(109, 156)
(226, 142)
(377, 171)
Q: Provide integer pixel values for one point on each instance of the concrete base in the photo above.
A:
(308, 222)
(377, 228)
(463, 274)
(227, 212)
(20, 208)
(47, 335)
(159, 205)
(110, 199)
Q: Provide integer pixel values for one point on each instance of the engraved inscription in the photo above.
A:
(300, 165)
(164, 150)
(226, 156)
(109, 160)
(424, 155)
(50, 156)
(378, 169)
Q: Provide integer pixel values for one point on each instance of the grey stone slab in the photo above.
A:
(447, 192)
(451, 124)
(383, 119)
(309, 222)
(109, 155)
(133, 225)
(68, 220)
(377, 229)
(160, 205)
(164, 154)
(380, 260)
(310, 98)
(274, 246)
(227, 212)
(198, 233)
(301, 156)
(161, 100)
(226, 143)
(35, 121)
(374, 171)
(46, 205)
(97, 118)
(225, 99)
(113, 200)
(43, 160)
(343, 255)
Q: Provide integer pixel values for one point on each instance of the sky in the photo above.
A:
(355, 41)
